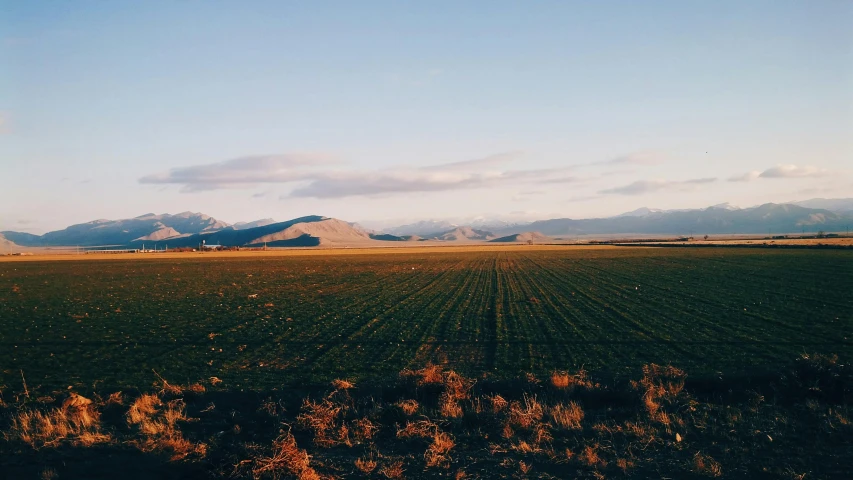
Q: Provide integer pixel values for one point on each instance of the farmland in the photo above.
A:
(474, 362)
(259, 322)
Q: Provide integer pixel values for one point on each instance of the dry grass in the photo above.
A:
(393, 470)
(436, 454)
(77, 422)
(409, 407)
(527, 414)
(707, 466)
(560, 380)
(590, 457)
(660, 385)
(568, 417)
(449, 406)
(419, 429)
(321, 418)
(286, 459)
(497, 402)
(367, 464)
(157, 422)
(628, 438)
(339, 384)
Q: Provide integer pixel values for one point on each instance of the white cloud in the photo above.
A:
(746, 177)
(793, 171)
(241, 172)
(636, 158)
(641, 187)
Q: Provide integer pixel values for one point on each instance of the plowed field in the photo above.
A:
(262, 322)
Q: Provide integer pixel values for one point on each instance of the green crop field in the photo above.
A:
(262, 322)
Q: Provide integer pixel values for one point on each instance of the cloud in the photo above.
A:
(793, 171)
(641, 187)
(242, 171)
(418, 180)
(781, 171)
(313, 176)
(746, 177)
(637, 158)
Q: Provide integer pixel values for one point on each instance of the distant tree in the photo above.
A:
(821, 234)
(706, 237)
(530, 242)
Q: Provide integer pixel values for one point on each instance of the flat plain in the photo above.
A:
(466, 362)
(266, 319)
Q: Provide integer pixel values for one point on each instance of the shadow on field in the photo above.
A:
(792, 421)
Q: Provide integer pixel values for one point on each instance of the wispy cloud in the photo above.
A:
(242, 171)
(317, 176)
(793, 171)
(637, 158)
(746, 177)
(647, 186)
(782, 171)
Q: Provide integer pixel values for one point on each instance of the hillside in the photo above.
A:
(148, 227)
(6, 245)
(768, 218)
(462, 234)
(525, 237)
(309, 231)
(837, 205)
(256, 223)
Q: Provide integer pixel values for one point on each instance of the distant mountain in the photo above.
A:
(307, 231)
(766, 218)
(462, 234)
(525, 237)
(257, 223)
(640, 212)
(423, 228)
(837, 205)
(6, 245)
(21, 238)
(148, 227)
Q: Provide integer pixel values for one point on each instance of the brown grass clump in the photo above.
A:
(158, 423)
(48, 474)
(590, 456)
(393, 470)
(660, 384)
(339, 384)
(436, 454)
(705, 465)
(431, 374)
(568, 416)
(497, 402)
(367, 464)
(76, 422)
(364, 429)
(525, 415)
(419, 429)
(560, 380)
(624, 464)
(322, 419)
(409, 407)
(449, 406)
(287, 458)
(455, 385)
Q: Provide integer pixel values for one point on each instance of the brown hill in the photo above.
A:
(525, 237)
(6, 245)
(465, 234)
(327, 232)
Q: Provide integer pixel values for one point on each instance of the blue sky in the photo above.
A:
(388, 111)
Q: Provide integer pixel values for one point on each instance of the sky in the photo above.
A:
(392, 112)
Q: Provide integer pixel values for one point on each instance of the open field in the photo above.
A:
(256, 338)
(261, 319)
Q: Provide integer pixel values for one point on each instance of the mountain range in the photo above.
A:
(189, 229)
